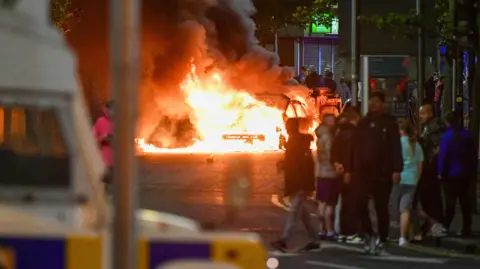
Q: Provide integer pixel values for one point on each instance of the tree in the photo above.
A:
(63, 14)
(273, 15)
(319, 12)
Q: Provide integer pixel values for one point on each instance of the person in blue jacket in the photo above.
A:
(457, 159)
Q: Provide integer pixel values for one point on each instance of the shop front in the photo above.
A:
(315, 47)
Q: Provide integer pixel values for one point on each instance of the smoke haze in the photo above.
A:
(212, 33)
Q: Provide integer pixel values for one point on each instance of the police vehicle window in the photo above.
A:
(32, 148)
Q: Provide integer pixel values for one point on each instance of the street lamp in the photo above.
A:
(124, 57)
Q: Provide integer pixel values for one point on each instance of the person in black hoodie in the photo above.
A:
(349, 224)
(376, 163)
(329, 82)
(299, 183)
(314, 80)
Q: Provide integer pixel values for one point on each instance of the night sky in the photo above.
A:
(90, 40)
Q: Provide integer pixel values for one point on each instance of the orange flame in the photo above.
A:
(219, 110)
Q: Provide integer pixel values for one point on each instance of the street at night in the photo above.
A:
(193, 185)
(239, 134)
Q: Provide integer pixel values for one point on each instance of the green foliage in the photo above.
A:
(406, 24)
(320, 12)
(272, 15)
(398, 24)
(63, 14)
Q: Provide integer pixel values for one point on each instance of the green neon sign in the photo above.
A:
(322, 29)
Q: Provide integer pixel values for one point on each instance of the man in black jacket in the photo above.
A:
(299, 183)
(313, 80)
(349, 222)
(329, 82)
(429, 191)
(376, 162)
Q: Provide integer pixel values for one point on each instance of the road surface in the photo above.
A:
(193, 185)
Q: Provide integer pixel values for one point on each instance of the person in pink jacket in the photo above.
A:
(103, 130)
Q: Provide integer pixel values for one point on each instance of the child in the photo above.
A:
(404, 192)
(327, 190)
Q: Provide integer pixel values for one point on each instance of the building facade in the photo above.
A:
(316, 47)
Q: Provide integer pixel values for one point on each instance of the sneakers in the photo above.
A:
(402, 242)
(331, 237)
(310, 246)
(378, 247)
(369, 244)
(437, 230)
(373, 245)
(341, 238)
(417, 238)
(354, 239)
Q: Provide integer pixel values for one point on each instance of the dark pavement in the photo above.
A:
(192, 186)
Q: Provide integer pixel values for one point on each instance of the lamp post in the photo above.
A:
(124, 57)
(420, 60)
(354, 52)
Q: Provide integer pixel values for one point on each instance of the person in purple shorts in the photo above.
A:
(327, 181)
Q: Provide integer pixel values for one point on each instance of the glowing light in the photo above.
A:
(219, 112)
(272, 263)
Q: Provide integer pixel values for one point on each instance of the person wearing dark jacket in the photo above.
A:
(314, 80)
(457, 160)
(428, 200)
(375, 162)
(429, 87)
(299, 183)
(330, 83)
(349, 224)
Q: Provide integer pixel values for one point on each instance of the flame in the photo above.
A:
(219, 110)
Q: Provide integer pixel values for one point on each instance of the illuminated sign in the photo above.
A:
(322, 29)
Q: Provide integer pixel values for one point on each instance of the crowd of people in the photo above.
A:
(377, 157)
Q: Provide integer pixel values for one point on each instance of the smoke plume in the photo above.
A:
(216, 34)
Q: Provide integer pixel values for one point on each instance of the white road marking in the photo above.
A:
(276, 253)
(396, 258)
(332, 265)
(276, 202)
(343, 247)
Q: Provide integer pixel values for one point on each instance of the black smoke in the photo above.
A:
(214, 34)
(211, 34)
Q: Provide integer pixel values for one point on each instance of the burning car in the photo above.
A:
(327, 102)
(224, 119)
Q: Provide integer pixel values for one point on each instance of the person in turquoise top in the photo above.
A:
(404, 192)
